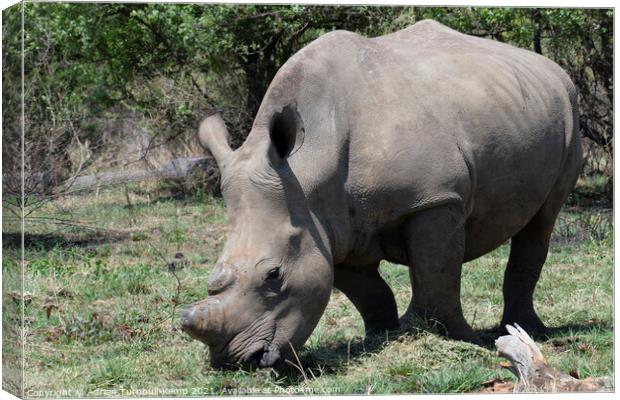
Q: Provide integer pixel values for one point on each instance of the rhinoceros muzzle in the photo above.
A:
(204, 321)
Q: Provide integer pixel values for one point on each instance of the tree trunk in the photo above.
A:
(538, 31)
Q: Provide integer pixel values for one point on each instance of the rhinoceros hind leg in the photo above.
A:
(369, 293)
(435, 248)
(528, 252)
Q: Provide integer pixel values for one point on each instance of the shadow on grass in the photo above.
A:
(488, 336)
(45, 242)
(577, 329)
(333, 358)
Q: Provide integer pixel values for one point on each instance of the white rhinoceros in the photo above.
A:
(425, 147)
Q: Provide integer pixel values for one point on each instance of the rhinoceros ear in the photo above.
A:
(213, 136)
(286, 132)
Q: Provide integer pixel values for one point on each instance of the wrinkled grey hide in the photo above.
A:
(425, 147)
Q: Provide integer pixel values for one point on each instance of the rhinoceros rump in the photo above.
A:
(425, 147)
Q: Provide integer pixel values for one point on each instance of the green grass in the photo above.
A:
(102, 309)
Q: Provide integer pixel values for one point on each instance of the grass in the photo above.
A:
(102, 308)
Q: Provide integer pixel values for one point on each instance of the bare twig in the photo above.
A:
(298, 365)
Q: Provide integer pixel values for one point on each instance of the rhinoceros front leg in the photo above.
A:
(435, 241)
(369, 293)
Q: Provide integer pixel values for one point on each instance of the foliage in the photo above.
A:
(169, 65)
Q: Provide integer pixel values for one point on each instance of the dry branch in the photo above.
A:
(530, 366)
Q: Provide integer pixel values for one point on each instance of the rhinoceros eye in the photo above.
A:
(273, 274)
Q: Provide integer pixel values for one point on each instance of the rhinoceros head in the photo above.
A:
(270, 285)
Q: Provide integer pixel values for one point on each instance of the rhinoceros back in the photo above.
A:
(427, 116)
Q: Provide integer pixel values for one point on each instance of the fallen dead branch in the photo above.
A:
(530, 366)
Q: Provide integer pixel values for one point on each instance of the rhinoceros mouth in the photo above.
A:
(253, 347)
(258, 355)
(271, 357)
(265, 357)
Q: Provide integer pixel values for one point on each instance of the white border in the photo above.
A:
(481, 3)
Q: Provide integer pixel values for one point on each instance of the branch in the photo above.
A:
(530, 366)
